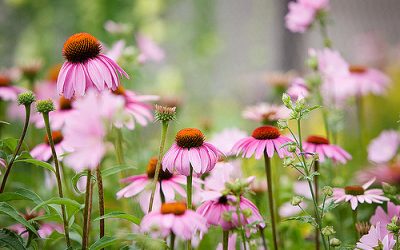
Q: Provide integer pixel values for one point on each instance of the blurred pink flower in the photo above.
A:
(149, 50)
(359, 194)
(190, 150)
(222, 173)
(47, 89)
(263, 139)
(231, 242)
(85, 129)
(383, 173)
(376, 239)
(266, 113)
(300, 17)
(325, 150)
(116, 28)
(42, 151)
(384, 147)
(139, 186)
(380, 216)
(315, 4)
(298, 89)
(116, 50)
(137, 107)
(225, 139)
(86, 67)
(368, 80)
(57, 117)
(173, 218)
(8, 92)
(288, 210)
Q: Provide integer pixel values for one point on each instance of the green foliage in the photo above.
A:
(120, 215)
(11, 240)
(14, 214)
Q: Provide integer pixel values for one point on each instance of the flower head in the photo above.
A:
(298, 89)
(383, 148)
(149, 50)
(86, 67)
(263, 139)
(359, 194)
(302, 14)
(384, 218)
(225, 139)
(8, 92)
(325, 150)
(42, 151)
(266, 113)
(173, 217)
(368, 80)
(389, 173)
(376, 239)
(191, 150)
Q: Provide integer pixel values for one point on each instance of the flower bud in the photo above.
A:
(296, 200)
(389, 189)
(328, 231)
(45, 106)
(393, 226)
(164, 114)
(286, 100)
(291, 148)
(247, 212)
(26, 98)
(327, 191)
(282, 124)
(335, 242)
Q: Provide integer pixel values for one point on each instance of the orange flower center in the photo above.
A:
(266, 132)
(315, 139)
(52, 75)
(56, 135)
(354, 190)
(119, 91)
(65, 104)
(81, 47)
(151, 170)
(357, 69)
(189, 138)
(177, 208)
(4, 81)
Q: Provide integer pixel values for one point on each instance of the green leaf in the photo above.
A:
(37, 163)
(304, 219)
(103, 242)
(75, 180)
(61, 201)
(120, 215)
(21, 194)
(115, 169)
(11, 240)
(13, 213)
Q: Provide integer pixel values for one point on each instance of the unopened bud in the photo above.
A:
(327, 191)
(328, 231)
(296, 200)
(334, 242)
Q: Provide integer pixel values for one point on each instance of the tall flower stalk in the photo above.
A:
(25, 99)
(164, 115)
(101, 199)
(44, 107)
(87, 211)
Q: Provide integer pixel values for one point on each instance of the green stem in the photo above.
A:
(189, 184)
(21, 140)
(324, 33)
(101, 199)
(225, 237)
(172, 241)
(261, 230)
(240, 223)
(158, 166)
(87, 211)
(58, 176)
(271, 198)
(354, 215)
(316, 169)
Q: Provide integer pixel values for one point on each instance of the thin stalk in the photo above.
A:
(397, 242)
(21, 140)
(65, 179)
(354, 216)
(101, 199)
(158, 166)
(310, 185)
(316, 187)
(225, 237)
(324, 33)
(189, 184)
(58, 176)
(271, 198)
(86, 212)
(240, 223)
(172, 241)
(261, 230)
(162, 195)
(329, 246)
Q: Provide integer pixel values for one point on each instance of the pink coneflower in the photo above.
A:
(136, 106)
(368, 80)
(42, 151)
(380, 216)
(47, 89)
(384, 147)
(87, 143)
(300, 17)
(226, 139)
(174, 218)
(223, 172)
(170, 185)
(215, 210)
(376, 239)
(359, 194)
(86, 67)
(263, 139)
(266, 113)
(191, 150)
(298, 89)
(45, 228)
(325, 150)
(59, 116)
(389, 173)
(149, 50)
(280, 80)
(8, 92)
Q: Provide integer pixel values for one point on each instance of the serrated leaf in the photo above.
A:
(11, 240)
(37, 163)
(103, 242)
(120, 215)
(14, 214)
(115, 169)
